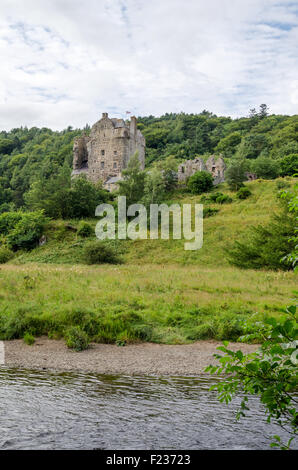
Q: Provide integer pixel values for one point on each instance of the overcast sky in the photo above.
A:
(64, 62)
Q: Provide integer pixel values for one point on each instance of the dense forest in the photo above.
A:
(41, 157)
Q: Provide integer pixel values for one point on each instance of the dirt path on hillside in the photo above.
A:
(136, 359)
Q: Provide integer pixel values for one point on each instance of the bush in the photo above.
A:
(266, 246)
(5, 254)
(27, 231)
(29, 339)
(265, 168)
(289, 165)
(99, 252)
(243, 193)
(209, 212)
(8, 221)
(223, 199)
(200, 182)
(281, 184)
(235, 174)
(77, 339)
(85, 230)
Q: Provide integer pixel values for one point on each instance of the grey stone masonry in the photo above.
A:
(106, 152)
(213, 166)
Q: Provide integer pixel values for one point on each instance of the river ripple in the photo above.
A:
(47, 410)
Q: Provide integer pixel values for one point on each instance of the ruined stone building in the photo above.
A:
(106, 152)
(213, 166)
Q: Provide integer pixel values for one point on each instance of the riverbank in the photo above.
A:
(133, 359)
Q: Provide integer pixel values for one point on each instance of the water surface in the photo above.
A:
(47, 410)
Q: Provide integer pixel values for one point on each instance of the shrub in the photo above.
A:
(85, 230)
(265, 168)
(289, 165)
(27, 231)
(266, 246)
(223, 199)
(200, 182)
(281, 184)
(235, 174)
(209, 211)
(5, 254)
(77, 339)
(98, 252)
(243, 193)
(8, 221)
(29, 339)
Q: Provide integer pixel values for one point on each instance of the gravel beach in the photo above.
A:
(135, 359)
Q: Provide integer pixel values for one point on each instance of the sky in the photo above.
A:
(65, 62)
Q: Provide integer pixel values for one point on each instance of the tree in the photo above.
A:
(289, 165)
(200, 182)
(235, 174)
(154, 188)
(264, 111)
(270, 373)
(228, 144)
(266, 246)
(265, 167)
(168, 168)
(132, 185)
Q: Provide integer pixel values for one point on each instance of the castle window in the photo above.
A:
(102, 152)
(182, 169)
(115, 164)
(102, 165)
(115, 152)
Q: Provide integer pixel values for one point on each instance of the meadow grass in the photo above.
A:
(167, 304)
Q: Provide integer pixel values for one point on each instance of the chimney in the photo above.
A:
(104, 115)
(133, 125)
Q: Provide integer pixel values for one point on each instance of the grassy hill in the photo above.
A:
(220, 231)
(161, 293)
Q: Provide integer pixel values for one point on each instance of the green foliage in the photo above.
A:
(209, 212)
(223, 199)
(8, 221)
(271, 373)
(227, 145)
(99, 252)
(216, 197)
(154, 188)
(29, 339)
(282, 184)
(266, 246)
(200, 182)
(5, 254)
(235, 174)
(85, 230)
(289, 165)
(168, 167)
(265, 168)
(27, 231)
(77, 339)
(132, 185)
(291, 198)
(59, 198)
(243, 193)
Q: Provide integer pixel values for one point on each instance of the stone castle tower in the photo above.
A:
(106, 152)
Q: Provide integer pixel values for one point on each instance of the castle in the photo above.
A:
(215, 167)
(106, 152)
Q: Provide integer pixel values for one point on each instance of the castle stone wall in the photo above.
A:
(106, 152)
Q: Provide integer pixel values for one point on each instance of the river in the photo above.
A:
(54, 410)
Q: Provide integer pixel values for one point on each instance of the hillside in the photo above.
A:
(40, 155)
(220, 231)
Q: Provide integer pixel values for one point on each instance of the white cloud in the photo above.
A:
(63, 62)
